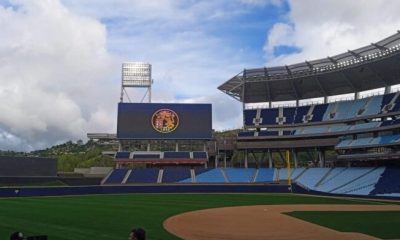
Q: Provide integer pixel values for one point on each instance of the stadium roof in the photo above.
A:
(370, 67)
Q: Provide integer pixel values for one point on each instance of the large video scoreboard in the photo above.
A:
(164, 121)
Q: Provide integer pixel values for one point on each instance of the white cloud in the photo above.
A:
(327, 28)
(54, 70)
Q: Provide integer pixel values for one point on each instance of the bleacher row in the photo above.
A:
(368, 142)
(379, 181)
(160, 155)
(336, 128)
(323, 112)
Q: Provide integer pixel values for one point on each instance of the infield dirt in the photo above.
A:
(262, 222)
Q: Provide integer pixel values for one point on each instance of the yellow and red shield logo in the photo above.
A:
(165, 121)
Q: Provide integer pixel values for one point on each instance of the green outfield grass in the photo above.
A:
(112, 216)
(383, 224)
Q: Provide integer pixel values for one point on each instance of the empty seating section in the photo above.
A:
(389, 183)
(364, 126)
(175, 174)
(143, 175)
(364, 184)
(323, 112)
(121, 155)
(265, 175)
(246, 134)
(390, 122)
(176, 155)
(159, 155)
(373, 106)
(396, 107)
(300, 113)
(212, 176)
(295, 172)
(289, 115)
(386, 99)
(269, 116)
(313, 130)
(368, 142)
(139, 156)
(249, 116)
(200, 155)
(353, 180)
(341, 177)
(318, 112)
(268, 133)
(116, 176)
(350, 109)
(240, 175)
(312, 176)
(330, 112)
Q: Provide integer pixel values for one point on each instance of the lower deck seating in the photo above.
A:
(388, 184)
(240, 175)
(265, 175)
(211, 176)
(176, 174)
(116, 176)
(377, 181)
(143, 175)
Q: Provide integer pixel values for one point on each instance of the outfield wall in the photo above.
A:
(88, 190)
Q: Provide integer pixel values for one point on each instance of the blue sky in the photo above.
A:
(60, 60)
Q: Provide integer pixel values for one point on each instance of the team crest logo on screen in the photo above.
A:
(165, 121)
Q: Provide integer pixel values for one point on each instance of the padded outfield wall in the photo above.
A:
(27, 167)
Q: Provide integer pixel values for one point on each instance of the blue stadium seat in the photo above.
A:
(143, 175)
(175, 174)
(211, 176)
(269, 116)
(265, 175)
(176, 155)
(240, 175)
(300, 113)
(249, 115)
(122, 155)
(116, 176)
(388, 184)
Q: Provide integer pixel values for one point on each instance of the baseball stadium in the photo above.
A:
(317, 158)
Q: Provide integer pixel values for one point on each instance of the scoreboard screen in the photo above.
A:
(164, 121)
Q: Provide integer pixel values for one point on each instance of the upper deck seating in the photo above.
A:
(122, 155)
(300, 113)
(318, 112)
(289, 115)
(373, 107)
(269, 116)
(322, 112)
(142, 156)
(249, 116)
(200, 155)
(176, 155)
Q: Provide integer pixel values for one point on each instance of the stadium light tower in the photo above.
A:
(136, 75)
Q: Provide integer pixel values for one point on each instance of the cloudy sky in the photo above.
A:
(60, 60)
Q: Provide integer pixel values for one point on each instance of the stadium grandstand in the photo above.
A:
(352, 143)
